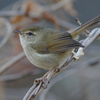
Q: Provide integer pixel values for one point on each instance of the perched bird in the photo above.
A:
(48, 48)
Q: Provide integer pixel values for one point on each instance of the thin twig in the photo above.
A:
(21, 74)
(77, 20)
(11, 13)
(53, 7)
(16, 75)
(9, 31)
(94, 33)
(57, 6)
(7, 65)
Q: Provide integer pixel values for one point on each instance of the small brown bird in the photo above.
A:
(48, 48)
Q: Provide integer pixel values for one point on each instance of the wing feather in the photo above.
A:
(58, 42)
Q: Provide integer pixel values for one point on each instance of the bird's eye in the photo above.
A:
(30, 33)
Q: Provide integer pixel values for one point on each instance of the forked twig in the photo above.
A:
(38, 87)
(77, 20)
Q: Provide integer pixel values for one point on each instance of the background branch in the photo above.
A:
(9, 31)
(8, 64)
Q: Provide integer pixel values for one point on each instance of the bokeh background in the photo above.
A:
(81, 81)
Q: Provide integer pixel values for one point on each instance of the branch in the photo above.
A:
(7, 65)
(11, 13)
(16, 75)
(38, 87)
(9, 31)
(57, 6)
(68, 73)
(53, 7)
(21, 74)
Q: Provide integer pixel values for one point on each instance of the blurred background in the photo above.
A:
(81, 81)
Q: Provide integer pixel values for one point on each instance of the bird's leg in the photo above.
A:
(44, 77)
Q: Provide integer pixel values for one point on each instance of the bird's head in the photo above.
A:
(30, 34)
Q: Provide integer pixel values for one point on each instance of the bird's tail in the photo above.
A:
(92, 23)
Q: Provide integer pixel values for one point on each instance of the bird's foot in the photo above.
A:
(44, 81)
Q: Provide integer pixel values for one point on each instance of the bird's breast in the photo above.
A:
(46, 61)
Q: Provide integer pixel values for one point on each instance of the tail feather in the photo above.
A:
(92, 23)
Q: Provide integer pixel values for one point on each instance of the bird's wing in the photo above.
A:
(58, 42)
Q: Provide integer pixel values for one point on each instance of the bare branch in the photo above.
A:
(9, 31)
(68, 73)
(58, 5)
(11, 13)
(16, 75)
(21, 74)
(7, 65)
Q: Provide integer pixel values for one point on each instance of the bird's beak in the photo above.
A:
(18, 32)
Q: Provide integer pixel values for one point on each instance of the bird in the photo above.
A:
(48, 48)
